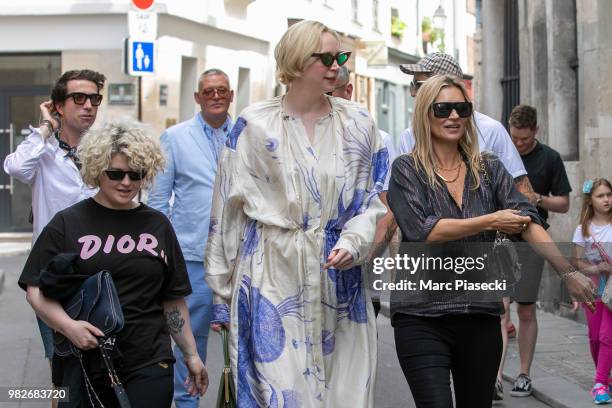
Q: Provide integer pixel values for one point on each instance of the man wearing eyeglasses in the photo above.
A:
(184, 193)
(46, 160)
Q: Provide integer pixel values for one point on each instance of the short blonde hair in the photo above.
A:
(123, 136)
(296, 47)
(423, 151)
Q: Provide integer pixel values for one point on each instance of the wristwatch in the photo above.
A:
(539, 200)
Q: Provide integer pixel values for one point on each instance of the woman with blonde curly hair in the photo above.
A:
(137, 244)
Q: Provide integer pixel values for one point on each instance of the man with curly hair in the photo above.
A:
(46, 160)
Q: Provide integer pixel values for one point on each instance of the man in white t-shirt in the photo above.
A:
(344, 89)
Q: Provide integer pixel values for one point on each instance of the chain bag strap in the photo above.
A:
(504, 251)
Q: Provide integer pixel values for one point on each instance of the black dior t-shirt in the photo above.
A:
(140, 249)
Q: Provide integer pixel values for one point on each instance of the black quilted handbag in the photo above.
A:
(95, 302)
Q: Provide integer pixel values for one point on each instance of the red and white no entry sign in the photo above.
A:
(143, 4)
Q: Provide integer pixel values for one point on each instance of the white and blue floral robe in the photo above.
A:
(301, 335)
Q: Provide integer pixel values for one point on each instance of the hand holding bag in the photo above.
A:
(505, 255)
(227, 390)
(97, 302)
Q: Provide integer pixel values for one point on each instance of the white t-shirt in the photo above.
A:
(492, 136)
(603, 235)
(392, 155)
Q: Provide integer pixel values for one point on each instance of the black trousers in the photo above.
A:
(147, 387)
(431, 348)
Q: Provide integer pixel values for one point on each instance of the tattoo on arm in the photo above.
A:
(174, 320)
(523, 185)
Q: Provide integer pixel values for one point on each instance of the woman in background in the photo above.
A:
(593, 254)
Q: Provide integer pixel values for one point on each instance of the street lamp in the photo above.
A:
(439, 17)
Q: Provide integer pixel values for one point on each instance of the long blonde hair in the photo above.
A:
(423, 151)
(586, 214)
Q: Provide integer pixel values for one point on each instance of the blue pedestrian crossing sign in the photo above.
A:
(140, 57)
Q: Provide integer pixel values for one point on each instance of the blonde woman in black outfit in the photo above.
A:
(446, 192)
(138, 246)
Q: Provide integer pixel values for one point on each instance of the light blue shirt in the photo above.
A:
(388, 141)
(192, 150)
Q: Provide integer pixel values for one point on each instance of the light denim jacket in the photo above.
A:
(189, 179)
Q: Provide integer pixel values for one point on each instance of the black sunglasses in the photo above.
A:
(444, 109)
(415, 85)
(328, 58)
(80, 98)
(331, 93)
(118, 175)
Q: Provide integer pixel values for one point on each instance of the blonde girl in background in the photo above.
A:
(593, 254)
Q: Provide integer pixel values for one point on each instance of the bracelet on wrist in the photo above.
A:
(571, 271)
(47, 123)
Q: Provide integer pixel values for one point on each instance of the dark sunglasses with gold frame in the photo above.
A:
(327, 58)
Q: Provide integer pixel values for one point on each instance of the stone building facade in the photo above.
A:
(565, 72)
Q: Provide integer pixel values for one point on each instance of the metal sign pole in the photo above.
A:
(140, 99)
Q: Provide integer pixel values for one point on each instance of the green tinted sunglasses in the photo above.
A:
(328, 58)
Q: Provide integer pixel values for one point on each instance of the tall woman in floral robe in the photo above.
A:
(294, 210)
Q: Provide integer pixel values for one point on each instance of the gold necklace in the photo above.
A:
(453, 180)
(451, 169)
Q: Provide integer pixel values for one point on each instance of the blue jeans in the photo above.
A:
(46, 334)
(200, 313)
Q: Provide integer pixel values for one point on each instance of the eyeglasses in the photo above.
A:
(80, 98)
(328, 58)
(415, 85)
(444, 109)
(210, 92)
(119, 175)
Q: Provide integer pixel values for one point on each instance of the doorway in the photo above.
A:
(25, 82)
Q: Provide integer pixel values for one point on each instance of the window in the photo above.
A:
(355, 10)
(375, 15)
(470, 6)
(394, 13)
